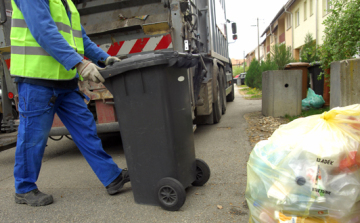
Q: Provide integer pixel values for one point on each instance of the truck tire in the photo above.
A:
(223, 90)
(1, 118)
(230, 97)
(217, 108)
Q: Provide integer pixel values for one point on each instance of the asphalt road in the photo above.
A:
(80, 197)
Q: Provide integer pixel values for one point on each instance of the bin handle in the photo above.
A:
(3, 12)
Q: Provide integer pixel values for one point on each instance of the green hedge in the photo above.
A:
(238, 70)
(254, 75)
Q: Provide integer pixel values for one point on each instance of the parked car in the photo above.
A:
(242, 78)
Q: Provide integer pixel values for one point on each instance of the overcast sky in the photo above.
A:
(244, 13)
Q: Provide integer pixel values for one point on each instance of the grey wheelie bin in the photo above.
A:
(152, 102)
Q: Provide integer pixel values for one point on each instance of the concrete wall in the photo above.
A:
(345, 83)
(281, 93)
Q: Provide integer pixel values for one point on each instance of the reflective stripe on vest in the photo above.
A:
(29, 59)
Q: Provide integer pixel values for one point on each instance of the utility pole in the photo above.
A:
(258, 39)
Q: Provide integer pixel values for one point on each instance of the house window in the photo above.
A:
(297, 18)
(311, 7)
(305, 10)
(326, 7)
(288, 21)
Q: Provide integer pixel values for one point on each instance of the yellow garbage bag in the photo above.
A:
(308, 169)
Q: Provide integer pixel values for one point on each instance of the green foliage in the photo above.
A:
(253, 77)
(268, 65)
(250, 93)
(342, 36)
(306, 113)
(238, 70)
(308, 52)
(281, 55)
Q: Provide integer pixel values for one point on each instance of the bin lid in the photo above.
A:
(297, 64)
(169, 59)
(316, 63)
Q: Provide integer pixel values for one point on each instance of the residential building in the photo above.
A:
(293, 21)
(277, 32)
(308, 16)
(237, 62)
(250, 56)
(254, 54)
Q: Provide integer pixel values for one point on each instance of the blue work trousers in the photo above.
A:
(37, 112)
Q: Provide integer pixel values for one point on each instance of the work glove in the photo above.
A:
(111, 60)
(90, 71)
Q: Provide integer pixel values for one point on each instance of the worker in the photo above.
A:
(48, 44)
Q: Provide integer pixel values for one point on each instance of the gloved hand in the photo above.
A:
(111, 60)
(90, 71)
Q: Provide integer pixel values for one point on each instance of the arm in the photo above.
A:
(92, 51)
(41, 25)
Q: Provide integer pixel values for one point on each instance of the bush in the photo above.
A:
(238, 70)
(254, 75)
(308, 52)
(342, 36)
(268, 65)
(281, 55)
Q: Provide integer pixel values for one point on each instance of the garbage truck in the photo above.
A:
(125, 29)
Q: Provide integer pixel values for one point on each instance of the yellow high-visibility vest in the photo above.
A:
(29, 59)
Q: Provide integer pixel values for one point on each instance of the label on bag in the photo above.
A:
(325, 161)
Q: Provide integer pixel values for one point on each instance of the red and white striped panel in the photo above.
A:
(138, 45)
(8, 63)
(133, 46)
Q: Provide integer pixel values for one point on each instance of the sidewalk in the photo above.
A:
(80, 197)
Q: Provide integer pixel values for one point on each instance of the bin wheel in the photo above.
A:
(217, 106)
(202, 173)
(171, 194)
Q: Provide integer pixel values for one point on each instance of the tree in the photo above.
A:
(254, 75)
(342, 36)
(308, 51)
(281, 55)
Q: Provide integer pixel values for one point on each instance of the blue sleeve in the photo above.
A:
(43, 28)
(92, 51)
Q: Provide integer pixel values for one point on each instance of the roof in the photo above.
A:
(263, 41)
(282, 11)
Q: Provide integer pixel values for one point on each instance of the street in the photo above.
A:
(80, 197)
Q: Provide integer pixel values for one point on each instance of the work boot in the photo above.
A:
(34, 198)
(118, 183)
